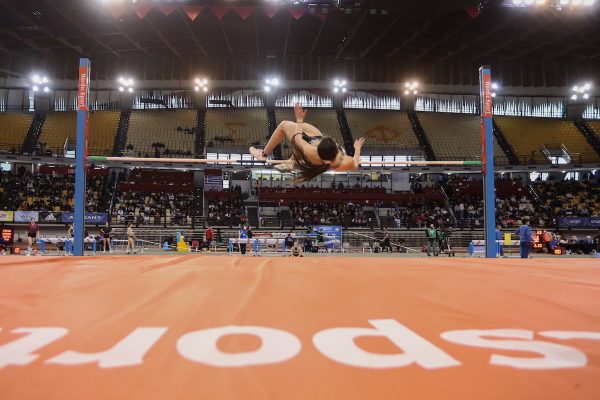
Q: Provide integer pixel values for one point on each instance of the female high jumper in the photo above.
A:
(312, 153)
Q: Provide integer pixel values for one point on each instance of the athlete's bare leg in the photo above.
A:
(285, 129)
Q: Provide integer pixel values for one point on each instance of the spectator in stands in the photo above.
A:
(312, 153)
(525, 239)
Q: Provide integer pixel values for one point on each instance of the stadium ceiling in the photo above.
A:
(436, 41)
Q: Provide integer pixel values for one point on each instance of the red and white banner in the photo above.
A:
(83, 89)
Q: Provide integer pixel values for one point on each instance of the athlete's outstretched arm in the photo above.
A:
(352, 163)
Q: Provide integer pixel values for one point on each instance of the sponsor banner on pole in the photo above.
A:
(6, 216)
(25, 216)
(90, 218)
(50, 217)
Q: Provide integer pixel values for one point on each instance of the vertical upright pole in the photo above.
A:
(487, 159)
(82, 138)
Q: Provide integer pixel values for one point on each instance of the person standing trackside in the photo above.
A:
(130, 239)
(524, 233)
(106, 232)
(499, 241)
(250, 235)
(432, 235)
(33, 231)
(208, 237)
(71, 239)
(243, 234)
(386, 241)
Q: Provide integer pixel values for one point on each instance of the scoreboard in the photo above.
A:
(8, 235)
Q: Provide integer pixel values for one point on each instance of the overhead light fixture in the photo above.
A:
(40, 83)
(411, 87)
(339, 85)
(581, 91)
(201, 84)
(125, 84)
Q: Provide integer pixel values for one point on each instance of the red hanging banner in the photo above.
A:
(244, 12)
(220, 11)
(270, 11)
(167, 10)
(141, 11)
(297, 12)
(192, 11)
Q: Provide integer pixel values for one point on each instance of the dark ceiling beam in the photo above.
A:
(507, 43)
(125, 34)
(380, 37)
(30, 43)
(11, 73)
(188, 26)
(79, 26)
(576, 44)
(353, 31)
(479, 38)
(287, 35)
(316, 41)
(30, 21)
(436, 43)
(415, 35)
(162, 38)
(226, 37)
(256, 34)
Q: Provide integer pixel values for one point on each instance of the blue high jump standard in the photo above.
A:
(487, 160)
(82, 138)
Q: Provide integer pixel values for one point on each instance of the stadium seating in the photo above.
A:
(103, 127)
(456, 136)
(324, 119)
(384, 130)
(595, 125)
(527, 135)
(13, 129)
(57, 127)
(236, 129)
(170, 129)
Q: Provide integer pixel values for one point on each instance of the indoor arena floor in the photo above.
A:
(182, 327)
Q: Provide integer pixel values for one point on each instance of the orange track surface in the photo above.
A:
(100, 300)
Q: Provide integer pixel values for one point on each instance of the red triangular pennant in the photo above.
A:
(116, 10)
(270, 11)
(142, 11)
(244, 12)
(220, 11)
(297, 12)
(167, 10)
(192, 11)
(472, 11)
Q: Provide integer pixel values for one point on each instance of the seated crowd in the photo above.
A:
(25, 191)
(225, 208)
(153, 208)
(344, 214)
